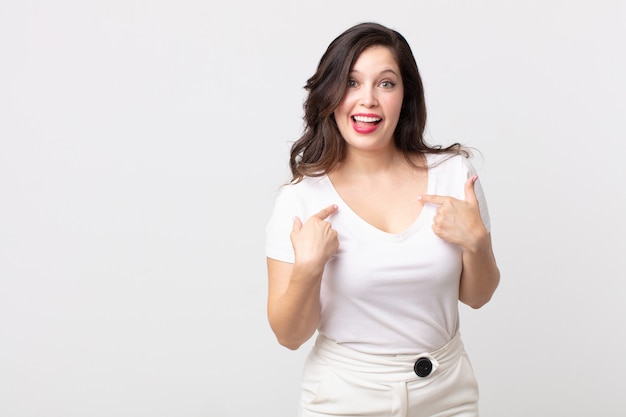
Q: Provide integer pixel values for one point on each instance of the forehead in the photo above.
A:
(376, 58)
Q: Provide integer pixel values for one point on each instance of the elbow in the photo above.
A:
(289, 344)
(286, 338)
(477, 295)
(476, 303)
(477, 300)
(288, 335)
(291, 341)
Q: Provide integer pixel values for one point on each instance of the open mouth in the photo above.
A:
(366, 119)
(365, 123)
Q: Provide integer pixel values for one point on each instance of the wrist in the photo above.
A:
(304, 271)
(480, 244)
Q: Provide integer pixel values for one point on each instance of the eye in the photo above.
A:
(352, 84)
(387, 84)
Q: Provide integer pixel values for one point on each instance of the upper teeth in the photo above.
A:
(366, 119)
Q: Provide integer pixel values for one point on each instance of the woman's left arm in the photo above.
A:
(480, 276)
(459, 222)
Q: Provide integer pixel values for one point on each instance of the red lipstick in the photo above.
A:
(365, 123)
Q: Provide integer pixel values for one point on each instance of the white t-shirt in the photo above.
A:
(382, 292)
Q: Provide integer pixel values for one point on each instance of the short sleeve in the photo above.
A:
(480, 194)
(278, 230)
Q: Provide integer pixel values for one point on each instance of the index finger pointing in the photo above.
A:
(432, 199)
(325, 212)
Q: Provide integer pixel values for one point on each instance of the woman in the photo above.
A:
(375, 240)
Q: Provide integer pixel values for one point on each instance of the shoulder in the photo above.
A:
(448, 174)
(308, 183)
(305, 195)
(304, 187)
(447, 162)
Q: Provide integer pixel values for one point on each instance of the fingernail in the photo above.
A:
(419, 197)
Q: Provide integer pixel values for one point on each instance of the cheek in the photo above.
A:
(394, 106)
(398, 103)
(342, 112)
(340, 116)
(344, 106)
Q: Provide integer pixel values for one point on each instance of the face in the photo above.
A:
(369, 111)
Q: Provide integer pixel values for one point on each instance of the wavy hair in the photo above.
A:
(321, 146)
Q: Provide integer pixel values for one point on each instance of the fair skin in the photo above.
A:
(388, 192)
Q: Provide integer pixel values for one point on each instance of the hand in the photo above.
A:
(459, 221)
(315, 241)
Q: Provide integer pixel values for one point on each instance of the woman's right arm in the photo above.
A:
(293, 306)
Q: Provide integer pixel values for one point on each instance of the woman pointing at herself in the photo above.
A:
(375, 240)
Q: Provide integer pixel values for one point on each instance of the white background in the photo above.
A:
(141, 145)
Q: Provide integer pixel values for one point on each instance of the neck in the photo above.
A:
(371, 163)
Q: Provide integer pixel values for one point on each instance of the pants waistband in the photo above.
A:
(387, 367)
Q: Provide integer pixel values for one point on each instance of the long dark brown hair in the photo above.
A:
(321, 146)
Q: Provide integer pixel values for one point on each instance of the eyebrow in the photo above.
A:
(380, 73)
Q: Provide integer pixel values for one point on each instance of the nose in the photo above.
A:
(368, 97)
